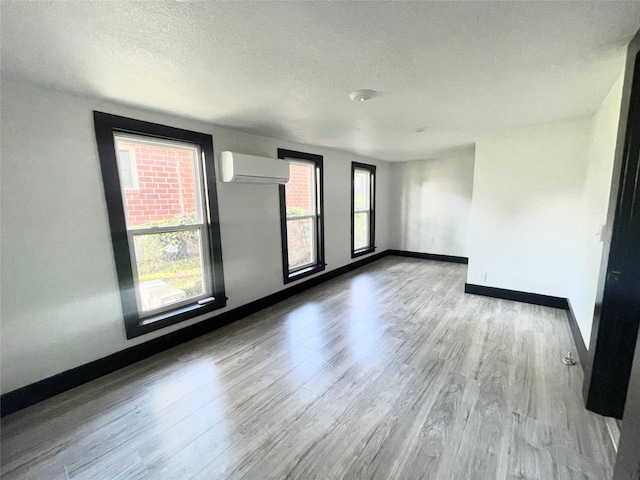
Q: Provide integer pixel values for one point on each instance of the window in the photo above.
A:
(160, 189)
(363, 182)
(301, 216)
(127, 168)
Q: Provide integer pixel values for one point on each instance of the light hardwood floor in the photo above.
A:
(389, 372)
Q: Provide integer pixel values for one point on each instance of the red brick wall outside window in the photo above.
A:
(298, 189)
(164, 185)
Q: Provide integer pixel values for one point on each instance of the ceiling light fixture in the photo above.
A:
(363, 95)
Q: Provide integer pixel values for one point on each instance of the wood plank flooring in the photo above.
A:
(389, 372)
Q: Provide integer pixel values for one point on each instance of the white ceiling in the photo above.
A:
(285, 70)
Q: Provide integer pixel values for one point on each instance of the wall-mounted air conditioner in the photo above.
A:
(241, 168)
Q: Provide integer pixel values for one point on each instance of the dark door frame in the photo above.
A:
(612, 374)
(615, 329)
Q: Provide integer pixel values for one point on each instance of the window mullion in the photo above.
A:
(300, 217)
(163, 229)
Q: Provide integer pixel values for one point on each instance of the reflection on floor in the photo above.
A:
(388, 372)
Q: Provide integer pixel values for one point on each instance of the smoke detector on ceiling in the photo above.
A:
(363, 95)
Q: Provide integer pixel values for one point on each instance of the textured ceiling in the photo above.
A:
(285, 70)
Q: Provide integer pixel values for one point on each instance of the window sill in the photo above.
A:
(305, 272)
(359, 253)
(140, 326)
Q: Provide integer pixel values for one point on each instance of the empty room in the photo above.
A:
(320, 240)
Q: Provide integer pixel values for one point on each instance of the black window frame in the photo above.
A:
(320, 264)
(372, 209)
(106, 125)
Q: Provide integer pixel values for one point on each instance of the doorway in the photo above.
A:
(612, 379)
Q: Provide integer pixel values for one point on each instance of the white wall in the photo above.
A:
(540, 197)
(527, 206)
(432, 204)
(595, 201)
(60, 301)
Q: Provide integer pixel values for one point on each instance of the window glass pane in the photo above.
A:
(125, 169)
(360, 230)
(361, 184)
(167, 191)
(169, 267)
(301, 238)
(300, 190)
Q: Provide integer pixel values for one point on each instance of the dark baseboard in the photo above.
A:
(525, 297)
(36, 392)
(581, 348)
(429, 256)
